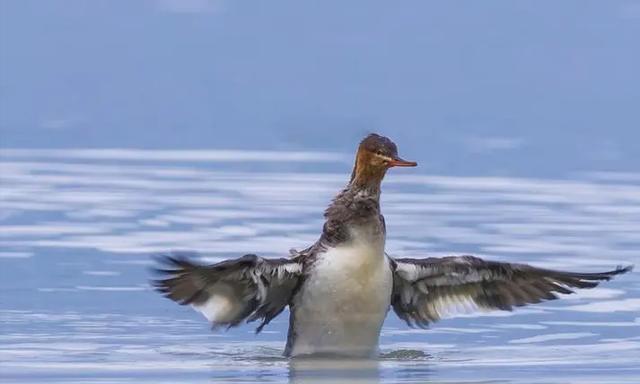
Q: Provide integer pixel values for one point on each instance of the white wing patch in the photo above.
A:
(449, 306)
(222, 306)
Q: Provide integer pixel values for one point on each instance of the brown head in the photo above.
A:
(375, 155)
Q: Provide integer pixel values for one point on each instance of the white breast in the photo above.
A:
(344, 301)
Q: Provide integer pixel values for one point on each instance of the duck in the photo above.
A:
(340, 289)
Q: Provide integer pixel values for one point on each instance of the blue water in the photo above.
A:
(79, 226)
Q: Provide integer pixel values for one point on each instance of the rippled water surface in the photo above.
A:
(78, 227)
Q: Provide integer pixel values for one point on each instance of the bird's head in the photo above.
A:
(375, 155)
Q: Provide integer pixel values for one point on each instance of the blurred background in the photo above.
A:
(224, 127)
(492, 87)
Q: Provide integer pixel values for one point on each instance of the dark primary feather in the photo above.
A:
(258, 288)
(425, 290)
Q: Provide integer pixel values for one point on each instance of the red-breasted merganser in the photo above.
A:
(340, 289)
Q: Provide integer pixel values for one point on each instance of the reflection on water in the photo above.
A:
(78, 226)
(317, 370)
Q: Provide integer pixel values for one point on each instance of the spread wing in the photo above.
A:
(231, 291)
(426, 290)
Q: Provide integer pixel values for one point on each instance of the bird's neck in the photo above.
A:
(369, 188)
(355, 213)
(366, 179)
(359, 197)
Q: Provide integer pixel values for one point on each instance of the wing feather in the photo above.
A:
(248, 288)
(426, 290)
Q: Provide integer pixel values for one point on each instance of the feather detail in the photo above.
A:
(426, 290)
(248, 288)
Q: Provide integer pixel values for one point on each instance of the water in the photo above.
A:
(78, 227)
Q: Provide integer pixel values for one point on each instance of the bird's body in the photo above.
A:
(340, 289)
(343, 302)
